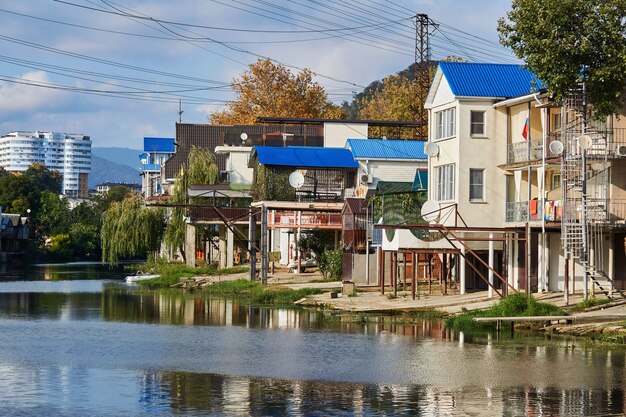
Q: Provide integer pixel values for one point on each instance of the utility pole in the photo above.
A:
(421, 80)
(180, 111)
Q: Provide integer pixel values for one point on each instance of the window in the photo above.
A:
(445, 121)
(445, 182)
(477, 184)
(556, 121)
(477, 123)
(556, 181)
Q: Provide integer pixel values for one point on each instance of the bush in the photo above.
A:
(515, 305)
(330, 263)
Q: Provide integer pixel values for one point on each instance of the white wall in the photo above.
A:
(385, 170)
(336, 134)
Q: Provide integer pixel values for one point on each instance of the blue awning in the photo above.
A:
(306, 157)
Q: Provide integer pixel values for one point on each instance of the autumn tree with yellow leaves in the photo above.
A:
(272, 90)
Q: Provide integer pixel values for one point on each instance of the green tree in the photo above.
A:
(53, 217)
(200, 169)
(130, 229)
(568, 42)
(17, 194)
(43, 178)
(393, 99)
(268, 89)
(85, 240)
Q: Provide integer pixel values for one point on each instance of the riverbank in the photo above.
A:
(603, 322)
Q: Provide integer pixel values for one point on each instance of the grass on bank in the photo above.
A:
(515, 305)
(173, 272)
(242, 289)
(256, 293)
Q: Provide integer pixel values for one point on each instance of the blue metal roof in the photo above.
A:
(489, 80)
(387, 149)
(306, 156)
(163, 145)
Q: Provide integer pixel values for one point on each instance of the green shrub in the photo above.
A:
(330, 263)
(515, 305)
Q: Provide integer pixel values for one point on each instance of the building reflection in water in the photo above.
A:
(189, 393)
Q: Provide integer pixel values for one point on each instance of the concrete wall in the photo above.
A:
(336, 134)
(359, 269)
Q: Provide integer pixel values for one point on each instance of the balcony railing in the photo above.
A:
(151, 168)
(533, 150)
(534, 210)
(524, 151)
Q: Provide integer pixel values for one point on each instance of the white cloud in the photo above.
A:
(18, 96)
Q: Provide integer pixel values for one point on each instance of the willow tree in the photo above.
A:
(200, 169)
(129, 229)
(268, 89)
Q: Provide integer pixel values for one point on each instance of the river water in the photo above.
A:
(98, 347)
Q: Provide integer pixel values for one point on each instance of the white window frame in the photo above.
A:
(556, 121)
(482, 124)
(480, 184)
(446, 183)
(445, 123)
(555, 181)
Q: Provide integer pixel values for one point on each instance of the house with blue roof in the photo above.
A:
(155, 152)
(468, 142)
(468, 136)
(389, 160)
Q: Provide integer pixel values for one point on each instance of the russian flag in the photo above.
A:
(525, 130)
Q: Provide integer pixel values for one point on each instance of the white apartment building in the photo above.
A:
(69, 154)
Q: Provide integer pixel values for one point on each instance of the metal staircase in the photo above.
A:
(585, 192)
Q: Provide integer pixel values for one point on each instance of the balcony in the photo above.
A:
(150, 168)
(534, 211)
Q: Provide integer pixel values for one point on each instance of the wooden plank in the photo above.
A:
(529, 318)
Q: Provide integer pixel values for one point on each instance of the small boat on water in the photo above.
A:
(140, 277)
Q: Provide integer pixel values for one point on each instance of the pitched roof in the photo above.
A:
(305, 156)
(489, 80)
(158, 145)
(387, 149)
(355, 205)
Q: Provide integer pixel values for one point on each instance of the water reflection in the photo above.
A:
(62, 271)
(106, 349)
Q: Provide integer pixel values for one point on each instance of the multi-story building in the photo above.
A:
(532, 187)
(156, 152)
(69, 154)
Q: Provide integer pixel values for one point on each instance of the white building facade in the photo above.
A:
(69, 154)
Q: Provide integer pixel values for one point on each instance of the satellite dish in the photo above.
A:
(243, 136)
(431, 149)
(556, 147)
(430, 211)
(296, 179)
(585, 142)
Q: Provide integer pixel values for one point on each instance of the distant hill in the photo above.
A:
(122, 156)
(103, 170)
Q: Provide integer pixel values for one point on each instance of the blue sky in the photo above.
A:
(116, 70)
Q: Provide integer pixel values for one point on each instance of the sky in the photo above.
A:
(119, 70)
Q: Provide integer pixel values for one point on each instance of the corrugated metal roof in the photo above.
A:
(489, 80)
(387, 148)
(306, 156)
(355, 205)
(158, 145)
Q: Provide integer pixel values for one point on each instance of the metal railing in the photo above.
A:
(533, 211)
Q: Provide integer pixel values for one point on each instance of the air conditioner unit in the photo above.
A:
(367, 178)
(620, 150)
